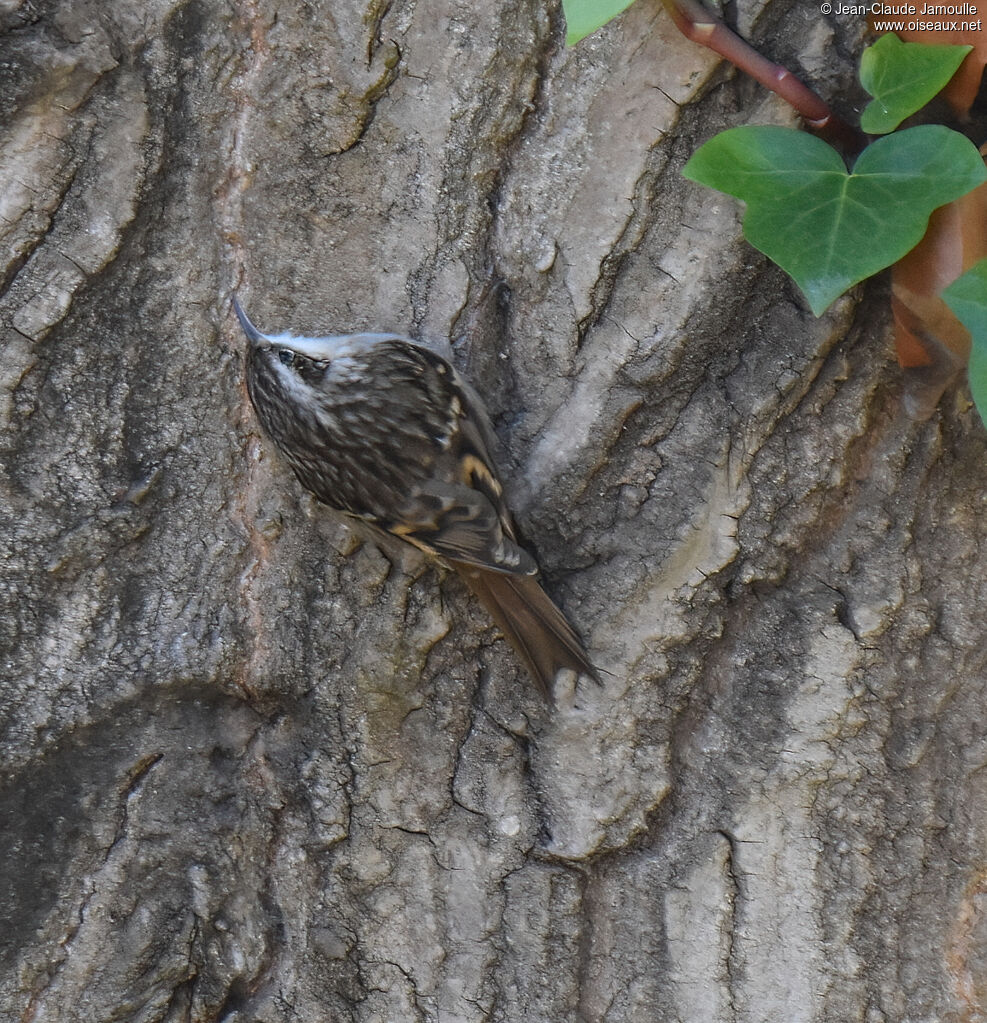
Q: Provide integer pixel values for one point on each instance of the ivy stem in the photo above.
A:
(700, 26)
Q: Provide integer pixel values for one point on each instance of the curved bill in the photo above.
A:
(255, 336)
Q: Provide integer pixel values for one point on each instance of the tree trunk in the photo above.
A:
(257, 769)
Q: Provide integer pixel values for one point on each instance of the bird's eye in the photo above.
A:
(286, 357)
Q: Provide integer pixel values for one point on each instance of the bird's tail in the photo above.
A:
(533, 625)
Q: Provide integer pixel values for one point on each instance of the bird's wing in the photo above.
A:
(456, 521)
(453, 502)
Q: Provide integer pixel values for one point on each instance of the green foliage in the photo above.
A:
(829, 229)
(967, 297)
(585, 16)
(902, 78)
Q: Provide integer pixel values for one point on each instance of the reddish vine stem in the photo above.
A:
(700, 26)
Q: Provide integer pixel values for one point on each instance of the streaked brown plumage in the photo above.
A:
(384, 429)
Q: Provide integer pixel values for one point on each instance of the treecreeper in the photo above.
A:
(382, 428)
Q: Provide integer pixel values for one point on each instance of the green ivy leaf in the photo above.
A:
(902, 78)
(829, 229)
(967, 297)
(585, 16)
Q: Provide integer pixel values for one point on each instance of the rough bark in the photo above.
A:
(255, 769)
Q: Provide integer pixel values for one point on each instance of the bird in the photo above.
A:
(383, 429)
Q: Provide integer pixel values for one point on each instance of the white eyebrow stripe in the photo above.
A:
(319, 348)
